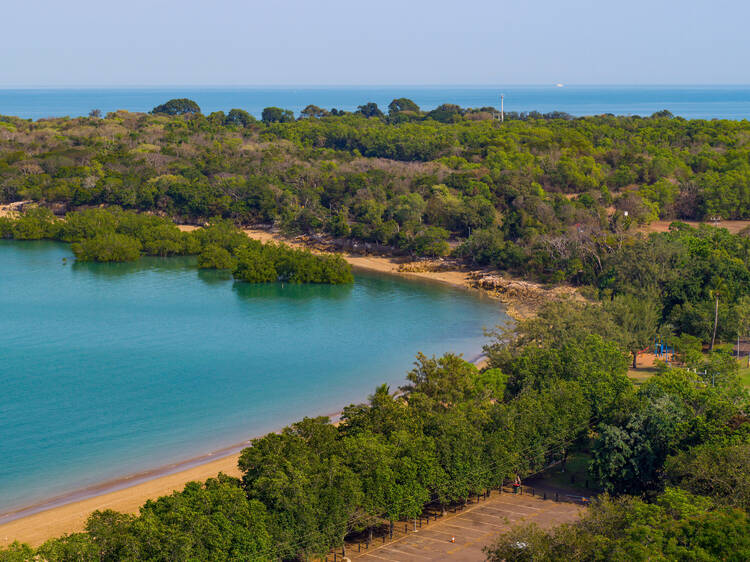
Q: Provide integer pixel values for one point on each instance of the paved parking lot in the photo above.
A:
(473, 528)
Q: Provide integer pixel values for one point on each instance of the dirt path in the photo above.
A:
(733, 226)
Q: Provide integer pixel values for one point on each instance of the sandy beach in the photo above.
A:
(379, 264)
(71, 517)
(69, 514)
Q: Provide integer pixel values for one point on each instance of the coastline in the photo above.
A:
(520, 298)
(34, 524)
(36, 527)
(378, 264)
(68, 513)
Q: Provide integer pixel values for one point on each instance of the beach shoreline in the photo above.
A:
(35, 525)
(368, 262)
(68, 513)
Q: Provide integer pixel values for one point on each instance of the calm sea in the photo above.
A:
(111, 369)
(704, 102)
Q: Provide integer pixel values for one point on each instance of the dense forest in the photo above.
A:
(671, 455)
(407, 180)
(550, 197)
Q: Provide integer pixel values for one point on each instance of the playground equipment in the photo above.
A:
(663, 350)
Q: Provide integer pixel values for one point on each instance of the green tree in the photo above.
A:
(310, 494)
(432, 242)
(35, 224)
(402, 104)
(216, 257)
(177, 106)
(370, 109)
(213, 520)
(277, 115)
(239, 117)
(448, 380)
(637, 318)
(716, 470)
(110, 247)
(17, 552)
(313, 111)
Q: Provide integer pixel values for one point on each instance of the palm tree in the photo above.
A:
(720, 288)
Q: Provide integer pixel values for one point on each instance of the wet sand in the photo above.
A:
(71, 517)
(68, 514)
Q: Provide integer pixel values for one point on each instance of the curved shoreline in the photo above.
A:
(131, 480)
(67, 513)
(117, 484)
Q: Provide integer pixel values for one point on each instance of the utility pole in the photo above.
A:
(502, 111)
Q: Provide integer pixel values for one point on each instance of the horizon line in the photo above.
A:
(364, 86)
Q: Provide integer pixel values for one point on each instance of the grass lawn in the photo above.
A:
(744, 373)
(641, 374)
(574, 477)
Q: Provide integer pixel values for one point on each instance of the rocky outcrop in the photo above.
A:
(428, 266)
(523, 297)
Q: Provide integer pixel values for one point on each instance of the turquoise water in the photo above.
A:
(705, 102)
(112, 369)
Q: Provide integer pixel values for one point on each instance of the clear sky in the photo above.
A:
(389, 42)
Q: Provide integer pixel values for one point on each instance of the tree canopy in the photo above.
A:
(177, 106)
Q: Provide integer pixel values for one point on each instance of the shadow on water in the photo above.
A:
(245, 291)
(147, 263)
(215, 276)
(291, 291)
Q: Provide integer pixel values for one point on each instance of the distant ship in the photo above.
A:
(560, 85)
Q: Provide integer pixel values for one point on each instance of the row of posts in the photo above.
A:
(418, 521)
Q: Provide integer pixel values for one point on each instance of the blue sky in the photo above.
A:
(336, 42)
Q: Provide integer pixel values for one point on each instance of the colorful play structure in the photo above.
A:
(662, 350)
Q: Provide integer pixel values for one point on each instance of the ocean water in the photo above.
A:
(704, 102)
(112, 369)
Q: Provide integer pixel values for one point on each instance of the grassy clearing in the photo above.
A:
(640, 375)
(574, 476)
(744, 373)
